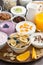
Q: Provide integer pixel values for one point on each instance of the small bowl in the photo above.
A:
(18, 50)
(24, 2)
(26, 25)
(6, 13)
(18, 19)
(35, 43)
(3, 39)
(8, 27)
(18, 10)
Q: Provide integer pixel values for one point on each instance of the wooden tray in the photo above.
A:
(7, 48)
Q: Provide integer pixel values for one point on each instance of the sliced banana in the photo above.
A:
(12, 42)
(14, 35)
(23, 39)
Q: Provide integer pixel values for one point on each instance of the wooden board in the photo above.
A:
(7, 48)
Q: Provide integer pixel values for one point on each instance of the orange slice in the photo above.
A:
(34, 56)
(23, 56)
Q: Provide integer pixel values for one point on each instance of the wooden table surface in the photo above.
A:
(38, 62)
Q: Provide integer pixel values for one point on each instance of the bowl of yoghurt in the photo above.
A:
(37, 40)
(3, 39)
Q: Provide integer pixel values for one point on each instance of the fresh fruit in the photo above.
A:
(24, 56)
(34, 56)
(5, 26)
(14, 38)
(17, 41)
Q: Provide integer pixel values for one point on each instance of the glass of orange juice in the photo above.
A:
(39, 21)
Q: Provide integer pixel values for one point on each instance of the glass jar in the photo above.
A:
(8, 4)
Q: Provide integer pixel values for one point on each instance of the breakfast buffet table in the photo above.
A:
(37, 62)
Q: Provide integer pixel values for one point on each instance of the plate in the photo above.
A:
(6, 48)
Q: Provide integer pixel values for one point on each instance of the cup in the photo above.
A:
(33, 9)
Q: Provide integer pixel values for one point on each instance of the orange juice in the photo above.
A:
(39, 21)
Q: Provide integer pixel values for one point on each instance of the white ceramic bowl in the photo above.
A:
(6, 13)
(8, 27)
(3, 39)
(17, 16)
(35, 43)
(19, 50)
(28, 32)
(23, 12)
(24, 2)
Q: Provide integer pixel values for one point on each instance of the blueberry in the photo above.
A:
(14, 38)
(8, 38)
(17, 41)
(28, 39)
(22, 46)
(5, 26)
